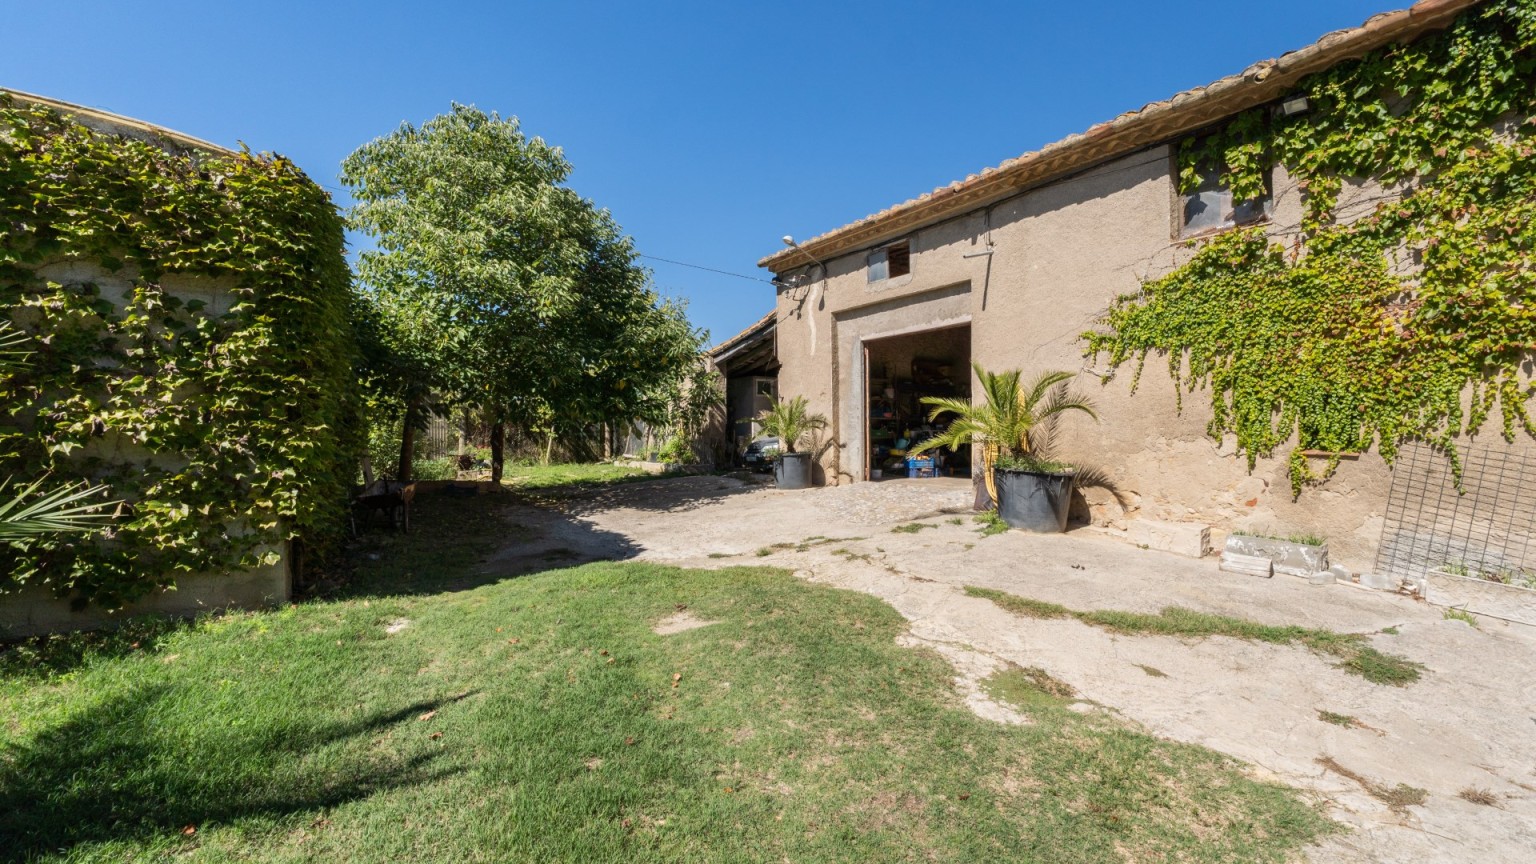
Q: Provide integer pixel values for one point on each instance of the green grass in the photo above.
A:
(1025, 606)
(1304, 539)
(1454, 614)
(571, 474)
(991, 523)
(1352, 650)
(912, 527)
(1502, 575)
(541, 719)
(1345, 720)
(1029, 688)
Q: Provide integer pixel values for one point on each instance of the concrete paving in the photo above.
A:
(1468, 724)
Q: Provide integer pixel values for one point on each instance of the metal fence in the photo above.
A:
(1487, 525)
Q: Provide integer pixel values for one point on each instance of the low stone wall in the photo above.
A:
(1480, 596)
(34, 611)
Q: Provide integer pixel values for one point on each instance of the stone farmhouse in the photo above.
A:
(1008, 267)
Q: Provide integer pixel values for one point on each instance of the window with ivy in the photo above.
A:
(1210, 205)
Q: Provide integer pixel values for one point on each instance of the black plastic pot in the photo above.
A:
(1033, 500)
(792, 470)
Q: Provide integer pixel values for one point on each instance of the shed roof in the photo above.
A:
(1262, 82)
(759, 329)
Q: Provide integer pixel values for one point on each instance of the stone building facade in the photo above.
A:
(1018, 261)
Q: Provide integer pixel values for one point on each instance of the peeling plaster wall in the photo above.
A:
(1061, 254)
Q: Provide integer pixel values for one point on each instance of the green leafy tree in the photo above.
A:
(501, 289)
(1011, 419)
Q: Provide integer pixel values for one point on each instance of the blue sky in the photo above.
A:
(709, 129)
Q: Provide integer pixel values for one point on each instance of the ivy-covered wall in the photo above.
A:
(189, 315)
(1413, 320)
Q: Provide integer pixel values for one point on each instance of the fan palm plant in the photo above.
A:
(28, 511)
(1009, 422)
(790, 422)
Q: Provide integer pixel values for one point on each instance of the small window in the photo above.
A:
(890, 261)
(1209, 206)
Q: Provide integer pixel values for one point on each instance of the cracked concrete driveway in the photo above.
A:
(1469, 724)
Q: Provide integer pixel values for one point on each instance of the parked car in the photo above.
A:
(760, 453)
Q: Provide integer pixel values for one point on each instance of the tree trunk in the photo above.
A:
(549, 445)
(498, 451)
(607, 443)
(407, 444)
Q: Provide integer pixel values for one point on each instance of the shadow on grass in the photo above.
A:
(680, 494)
(60, 653)
(132, 769)
(462, 543)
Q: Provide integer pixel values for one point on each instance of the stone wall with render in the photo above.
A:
(1060, 255)
(33, 610)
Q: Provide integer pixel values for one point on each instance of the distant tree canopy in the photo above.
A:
(494, 286)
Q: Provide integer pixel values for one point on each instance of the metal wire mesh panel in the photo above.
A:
(1485, 526)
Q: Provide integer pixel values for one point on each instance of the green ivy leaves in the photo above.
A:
(225, 433)
(1412, 321)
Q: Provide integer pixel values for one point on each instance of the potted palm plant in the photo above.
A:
(793, 425)
(1031, 492)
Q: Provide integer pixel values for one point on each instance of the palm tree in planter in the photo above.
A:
(1010, 425)
(793, 425)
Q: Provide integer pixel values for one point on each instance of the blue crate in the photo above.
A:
(921, 466)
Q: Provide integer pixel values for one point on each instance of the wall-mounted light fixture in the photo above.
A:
(803, 278)
(1293, 105)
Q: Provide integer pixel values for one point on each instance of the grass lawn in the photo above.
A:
(541, 719)
(569, 474)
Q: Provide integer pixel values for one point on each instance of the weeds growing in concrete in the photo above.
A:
(1355, 654)
(1454, 614)
(911, 528)
(1397, 798)
(1484, 797)
(1303, 539)
(990, 523)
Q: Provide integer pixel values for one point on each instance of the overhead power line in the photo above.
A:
(707, 269)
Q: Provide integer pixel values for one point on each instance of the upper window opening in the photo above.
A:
(890, 261)
(1209, 206)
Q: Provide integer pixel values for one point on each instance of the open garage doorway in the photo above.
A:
(900, 371)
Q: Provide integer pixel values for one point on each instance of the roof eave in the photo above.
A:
(1157, 122)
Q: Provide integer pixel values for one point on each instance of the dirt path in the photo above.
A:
(1469, 724)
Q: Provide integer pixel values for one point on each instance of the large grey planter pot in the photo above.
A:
(792, 471)
(1033, 500)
